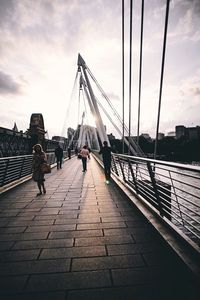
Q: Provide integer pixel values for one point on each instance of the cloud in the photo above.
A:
(185, 20)
(196, 91)
(40, 40)
(8, 85)
(7, 13)
(113, 96)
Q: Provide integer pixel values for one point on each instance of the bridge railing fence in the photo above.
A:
(18, 167)
(171, 190)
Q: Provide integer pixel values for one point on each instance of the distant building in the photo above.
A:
(62, 141)
(36, 129)
(70, 133)
(58, 138)
(180, 131)
(15, 127)
(189, 133)
(171, 134)
(146, 136)
(111, 136)
(161, 136)
(13, 143)
(193, 133)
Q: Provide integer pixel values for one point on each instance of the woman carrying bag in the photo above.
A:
(39, 159)
(84, 155)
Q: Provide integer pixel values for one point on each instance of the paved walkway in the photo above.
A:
(83, 240)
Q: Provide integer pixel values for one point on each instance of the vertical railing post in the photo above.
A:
(181, 216)
(22, 166)
(153, 181)
(133, 176)
(122, 169)
(5, 173)
(114, 165)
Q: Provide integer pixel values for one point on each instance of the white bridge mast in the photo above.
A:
(92, 101)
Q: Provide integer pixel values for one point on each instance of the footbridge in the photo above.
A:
(85, 239)
(136, 238)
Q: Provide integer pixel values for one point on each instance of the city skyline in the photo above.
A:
(40, 43)
(170, 133)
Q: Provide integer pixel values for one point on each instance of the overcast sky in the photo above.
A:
(40, 41)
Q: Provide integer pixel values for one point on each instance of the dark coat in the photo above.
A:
(38, 160)
(59, 152)
(106, 155)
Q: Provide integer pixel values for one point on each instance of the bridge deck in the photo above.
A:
(83, 240)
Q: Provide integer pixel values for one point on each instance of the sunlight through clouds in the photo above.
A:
(40, 41)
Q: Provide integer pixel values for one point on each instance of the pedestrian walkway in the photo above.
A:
(83, 239)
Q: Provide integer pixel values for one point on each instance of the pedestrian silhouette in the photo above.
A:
(84, 155)
(59, 156)
(106, 155)
(39, 157)
(76, 151)
(69, 152)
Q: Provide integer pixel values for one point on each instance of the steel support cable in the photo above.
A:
(130, 73)
(140, 71)
(161, 76)
(85, 107)
(79, 96)
(107, 99)
(101, 128)
(69, 104)
(104, 94)
(123, 76)
(134, 144)
(133, 150)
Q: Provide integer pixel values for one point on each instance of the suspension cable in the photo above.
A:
(107, 99)
(104, 95)
(122, 76)
(140, 71)
(130, 74)
(133, 143)
(79, 98)
(84, 101)
(162, 73)
(133, 147)
(63, 133)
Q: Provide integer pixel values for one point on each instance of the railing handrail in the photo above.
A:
(15, 168)
(15, 157)
(161, 162)
(166, 189)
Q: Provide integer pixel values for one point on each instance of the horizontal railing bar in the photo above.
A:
(179, 173)
(162, 163)
(169, 193)
(187, 200)
(186, 184)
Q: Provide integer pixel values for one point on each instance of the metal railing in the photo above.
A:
(17, 167)
(171, 190)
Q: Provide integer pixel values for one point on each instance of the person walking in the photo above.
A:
(59, 156)
(76, 151)
(106, 155)
(39, 157)
(84, 155)
(69, 152)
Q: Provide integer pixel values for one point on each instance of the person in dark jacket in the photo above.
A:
(39, 157)
(106, 155)
(69, 152)
(59, 156)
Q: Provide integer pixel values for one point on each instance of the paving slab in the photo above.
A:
(84, 239)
